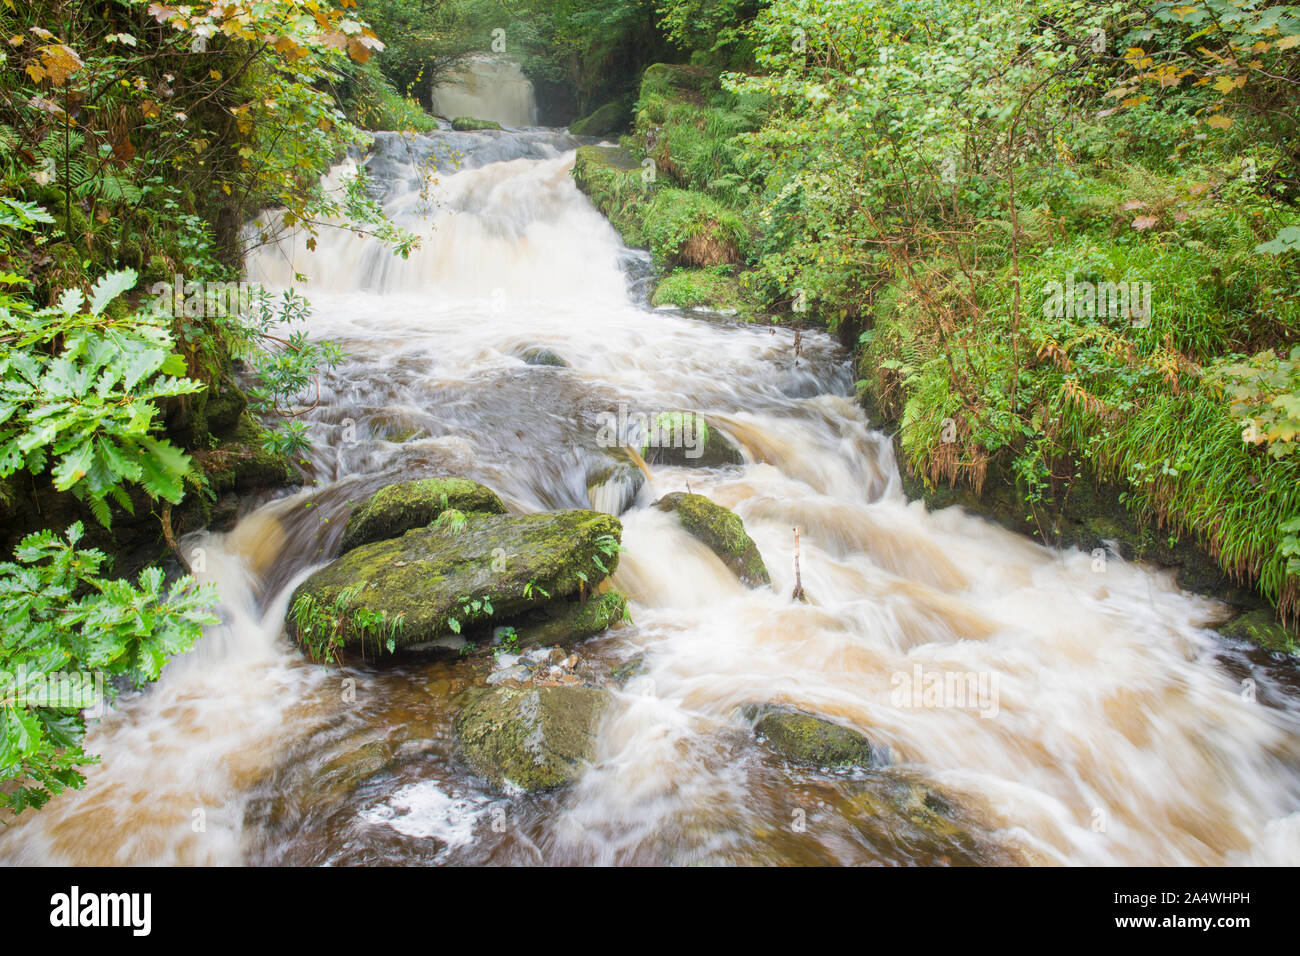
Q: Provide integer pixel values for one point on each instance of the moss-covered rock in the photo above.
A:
(716, 289)
(609, 118)
(678, 80)
(399, 507)
(480, 568)
(468, 124)
(1263, 628)
(684, 228)
(241, 464)
(685, 439)
(563, 623)
(812, 740)
(536, 738)
(611, 177)
(723, 532)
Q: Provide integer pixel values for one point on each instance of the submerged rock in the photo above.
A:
(813, 740)
(536, 738)
(400, 507)
(723, 532)
(409, 590)
(537, 355)
(562, 623)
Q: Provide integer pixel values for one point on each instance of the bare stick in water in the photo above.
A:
(798, 594)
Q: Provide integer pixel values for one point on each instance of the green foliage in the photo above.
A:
(1265, 396)
(79, 394)
(692, 229)
(64, 625)
(322, 627)
(929, 170)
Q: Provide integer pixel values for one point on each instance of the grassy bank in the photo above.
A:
(1063, 243)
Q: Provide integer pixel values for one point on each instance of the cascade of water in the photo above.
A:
(1106, 724)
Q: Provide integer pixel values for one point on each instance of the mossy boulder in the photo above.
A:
(536, 738)
(716, 289)
(723, 532)
(1263, 628)
(684, 228)
(468, 124)
(399, 507)
(611, 177)
(242, 464)
(811, 740)
(685, 439)
(563, 623)
(678, 80)
(481, 568)
(609, 118)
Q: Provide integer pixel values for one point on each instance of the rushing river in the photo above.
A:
(1106, 721)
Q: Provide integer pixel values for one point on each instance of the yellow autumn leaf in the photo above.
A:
(1288, 42)
(1219, 121)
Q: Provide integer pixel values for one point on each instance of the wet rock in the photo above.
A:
(535, 738)
(928, 826)
(628, 670)
(685, 439)
(542, 356)
(813, 740)
(613, 487)
(408, 590)
(562, 623)
(400, 507)
(723, 532)
(1263, 628)
(516, 672)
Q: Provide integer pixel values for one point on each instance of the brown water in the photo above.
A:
(1101, 720)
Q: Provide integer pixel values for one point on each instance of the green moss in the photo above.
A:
(567, 623)
(399, 507)
(241, 464)
(723, 532)
(685, 439)
(489, 568)
(608, 119)
(690, 229)
(677, 81)
(375, 104)
(468, 124)
(1263, 628)
(716, 289)
(611, 178)
(812, 740)
(536, 738)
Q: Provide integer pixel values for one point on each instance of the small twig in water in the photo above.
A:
(798, 594)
